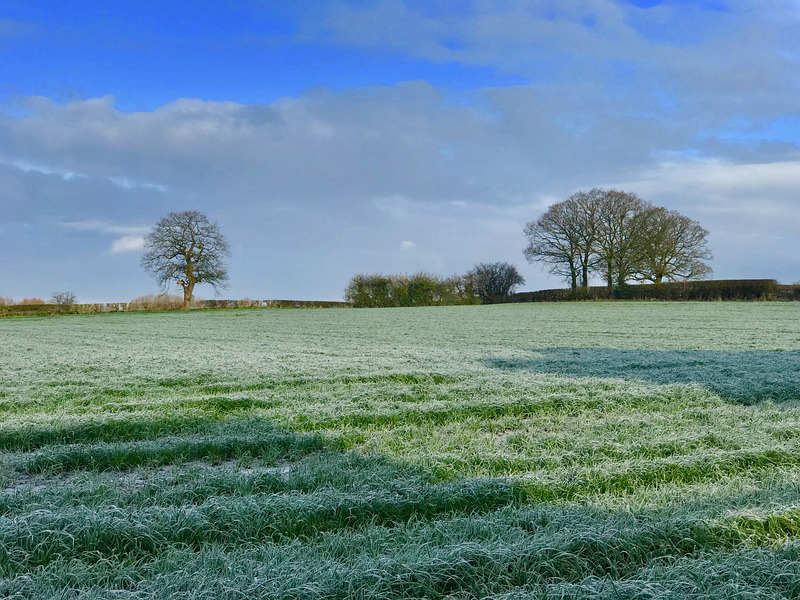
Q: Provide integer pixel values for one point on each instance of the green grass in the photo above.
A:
(598, 450)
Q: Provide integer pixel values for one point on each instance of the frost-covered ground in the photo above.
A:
(598, 450)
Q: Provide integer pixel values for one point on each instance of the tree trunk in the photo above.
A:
(187, 296)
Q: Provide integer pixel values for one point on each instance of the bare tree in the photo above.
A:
(565, 237)
(619, 236)
(494, 282)
(63, 298)
(186, 248)
(585, 208)
(555, 240)
(673, 247)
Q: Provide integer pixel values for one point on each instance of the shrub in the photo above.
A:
(789, 292)
(495, 282)
(31, 301)
(420, 289)
(154, 302)
(248, 303)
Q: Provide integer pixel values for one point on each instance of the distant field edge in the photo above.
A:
(713, 290)
(43, 310)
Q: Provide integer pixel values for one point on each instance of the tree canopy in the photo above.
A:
(186, 248)
(618, 236)
(673, 247)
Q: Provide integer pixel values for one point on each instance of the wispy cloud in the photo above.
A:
(30, 167)
(132, 184)
(105, 227)
(125, 183)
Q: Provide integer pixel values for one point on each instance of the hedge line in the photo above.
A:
(721, 289)
(247, 303)
(43, 310)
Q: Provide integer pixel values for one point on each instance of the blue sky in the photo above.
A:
(329, 138)
(149, 53)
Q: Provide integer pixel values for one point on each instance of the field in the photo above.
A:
(597, 450)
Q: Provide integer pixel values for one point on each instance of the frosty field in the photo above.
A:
(591, 450)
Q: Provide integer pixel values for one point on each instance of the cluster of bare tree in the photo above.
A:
(620, 237)
(484, 283)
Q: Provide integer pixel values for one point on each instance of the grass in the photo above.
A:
(609, 450)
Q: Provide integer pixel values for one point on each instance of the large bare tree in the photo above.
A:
(619, 235)
(186, 248)
(673, 247)
(565, 237)
(585, 207)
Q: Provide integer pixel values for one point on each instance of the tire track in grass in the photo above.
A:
(180, 485)
(141, 421)
(43, 536)
(452, 410)
(627, 478)
(268, 445)
(503, 553)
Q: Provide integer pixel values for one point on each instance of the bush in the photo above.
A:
(420, 289)
(32, 301)
(154, 302)
(248, 303)
(495, 282)
(789, 292)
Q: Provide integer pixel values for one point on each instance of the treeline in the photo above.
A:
(722, 289)
(618, 236)
(486, 283)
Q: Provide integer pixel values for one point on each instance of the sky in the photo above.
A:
(329, 138)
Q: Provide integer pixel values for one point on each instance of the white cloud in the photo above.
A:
(127, 243)
(131, 240)
(378, 175)
(407, 245)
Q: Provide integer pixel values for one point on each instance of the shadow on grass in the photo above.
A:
(746, 377)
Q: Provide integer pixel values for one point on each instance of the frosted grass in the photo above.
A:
(611, 450)
(746, 376)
